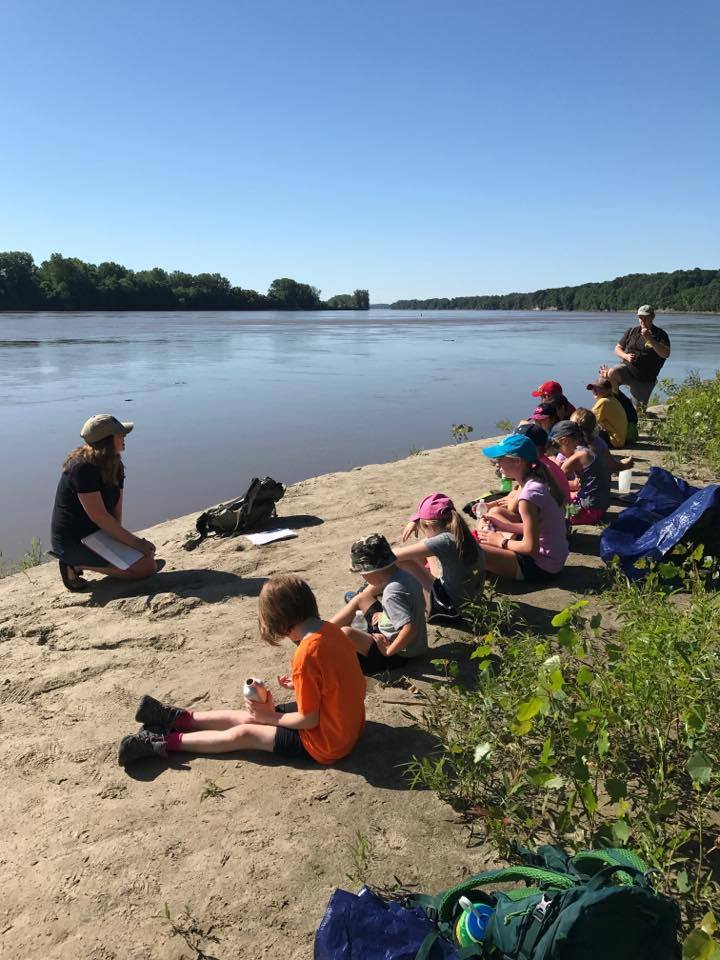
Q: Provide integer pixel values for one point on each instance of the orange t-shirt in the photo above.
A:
(327, 677)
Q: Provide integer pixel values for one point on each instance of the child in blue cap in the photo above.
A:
(536, 548)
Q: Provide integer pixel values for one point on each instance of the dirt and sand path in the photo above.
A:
(91, 854)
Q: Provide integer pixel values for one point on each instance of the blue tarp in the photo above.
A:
(364, 927)
(663, 513)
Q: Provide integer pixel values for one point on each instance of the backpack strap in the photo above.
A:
(603, 877)
(589, 862)
(427, 949)
(545, 878)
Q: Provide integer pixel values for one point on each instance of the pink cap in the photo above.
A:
(538, 414)
(436, 506)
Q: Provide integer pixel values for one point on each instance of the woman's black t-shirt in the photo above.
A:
(70, 523)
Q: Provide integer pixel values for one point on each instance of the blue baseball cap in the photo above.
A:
(516, 445)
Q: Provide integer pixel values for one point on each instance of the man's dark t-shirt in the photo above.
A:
(70, 523)
(647, 364)
(627, 405)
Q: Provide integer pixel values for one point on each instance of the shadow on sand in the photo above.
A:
(210, 586)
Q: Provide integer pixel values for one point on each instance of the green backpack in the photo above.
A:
(599, 905)
(254, 507)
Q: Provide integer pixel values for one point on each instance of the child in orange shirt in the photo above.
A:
(324, 723)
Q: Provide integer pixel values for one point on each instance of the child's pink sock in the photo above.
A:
(184, 722)
(173, 742)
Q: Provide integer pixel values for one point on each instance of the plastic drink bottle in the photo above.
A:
(506, 485)
(359, 621)
(625, 481)
(255, 690)
(472, 922)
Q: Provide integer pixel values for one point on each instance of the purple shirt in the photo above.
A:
(553, 548)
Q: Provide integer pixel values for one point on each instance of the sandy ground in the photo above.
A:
(91, 854)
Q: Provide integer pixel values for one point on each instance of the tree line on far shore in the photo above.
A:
(684, 290)
(67, 283)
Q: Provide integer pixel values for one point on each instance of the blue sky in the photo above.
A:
(415, 148)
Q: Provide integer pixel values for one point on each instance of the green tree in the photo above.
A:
(19, 281)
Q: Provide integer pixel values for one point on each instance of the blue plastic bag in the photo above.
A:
(365, 927)
(664, 511)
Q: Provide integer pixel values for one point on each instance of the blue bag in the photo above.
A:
(665, 512)
(364, 927)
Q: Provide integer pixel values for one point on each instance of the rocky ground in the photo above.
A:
(91, 855)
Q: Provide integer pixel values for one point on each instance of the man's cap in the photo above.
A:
(436, 506)
(515, 445)
(602, 383)
(646, 311)
(535, 432)
(566, 428)
(370, 555)
(104, 425)
(551, 387)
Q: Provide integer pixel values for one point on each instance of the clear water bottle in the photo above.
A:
(359, 621)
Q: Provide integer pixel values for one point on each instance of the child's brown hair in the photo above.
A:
(587, 421)
(285, 601)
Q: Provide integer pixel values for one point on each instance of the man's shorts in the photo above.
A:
(640, 389)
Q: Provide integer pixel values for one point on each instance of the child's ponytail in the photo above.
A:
(538, 471)
(464, 541)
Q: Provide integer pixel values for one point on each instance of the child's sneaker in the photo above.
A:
(354, 593)
(137, 746)
(152, 713)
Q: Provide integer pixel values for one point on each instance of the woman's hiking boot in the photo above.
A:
(138, 746)
(71, 578)
(152, 713)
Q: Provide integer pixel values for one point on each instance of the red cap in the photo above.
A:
(549, 387)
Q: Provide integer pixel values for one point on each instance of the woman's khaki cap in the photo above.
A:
(104, 425)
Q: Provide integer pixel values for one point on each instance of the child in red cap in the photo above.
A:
(552, 392)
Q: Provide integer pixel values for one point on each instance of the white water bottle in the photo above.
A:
(255, 690)
(359, 621)
(625, 481)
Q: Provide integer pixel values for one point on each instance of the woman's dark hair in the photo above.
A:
(100, 454)
(285, 601)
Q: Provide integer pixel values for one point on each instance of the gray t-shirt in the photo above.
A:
(461, 581)
(403, 601)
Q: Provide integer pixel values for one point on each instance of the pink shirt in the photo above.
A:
(558, 476)
(553, 547)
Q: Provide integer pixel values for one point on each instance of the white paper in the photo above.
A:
(261, 538)
(118, 554)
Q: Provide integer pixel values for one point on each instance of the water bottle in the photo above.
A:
(506, 484)
(472, 922)
(255, 690)
(480, 508)
(625, 481)
(359, 621)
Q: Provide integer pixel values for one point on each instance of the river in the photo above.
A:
(218, 398)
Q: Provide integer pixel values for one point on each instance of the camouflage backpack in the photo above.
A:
(250, 510)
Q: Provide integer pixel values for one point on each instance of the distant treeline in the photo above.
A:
(685, 290)
(66, 283)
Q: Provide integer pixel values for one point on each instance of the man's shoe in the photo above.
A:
(137, 746)
(152, 713)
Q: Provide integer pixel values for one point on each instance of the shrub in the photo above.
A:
(691, 428)
(596, 736)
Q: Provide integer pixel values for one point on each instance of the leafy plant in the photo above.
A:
(361, 855)
(460, 432)
(415, 451)
(192, 931)
(597, 736)
(213, 790)
(505, 426)
(691, 426)
(701, 943)
(33, 558)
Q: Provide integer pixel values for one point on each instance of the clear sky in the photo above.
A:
(415, 148)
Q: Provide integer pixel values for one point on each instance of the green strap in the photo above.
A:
(590, 862)
(551, 878)
(461, 953)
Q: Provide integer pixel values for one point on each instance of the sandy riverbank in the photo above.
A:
(91, 854)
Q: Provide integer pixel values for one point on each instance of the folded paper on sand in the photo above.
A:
(269, 536)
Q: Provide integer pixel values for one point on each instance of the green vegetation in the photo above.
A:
(361, 855)
(212, 790)
(195, 933)
(66, 283)
(33, 558)
(691, 427)
(461, 432)
(599, 734)
(683, 290)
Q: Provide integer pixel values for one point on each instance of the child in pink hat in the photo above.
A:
(446, 561)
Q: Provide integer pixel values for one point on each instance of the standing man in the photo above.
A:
(643, 350)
